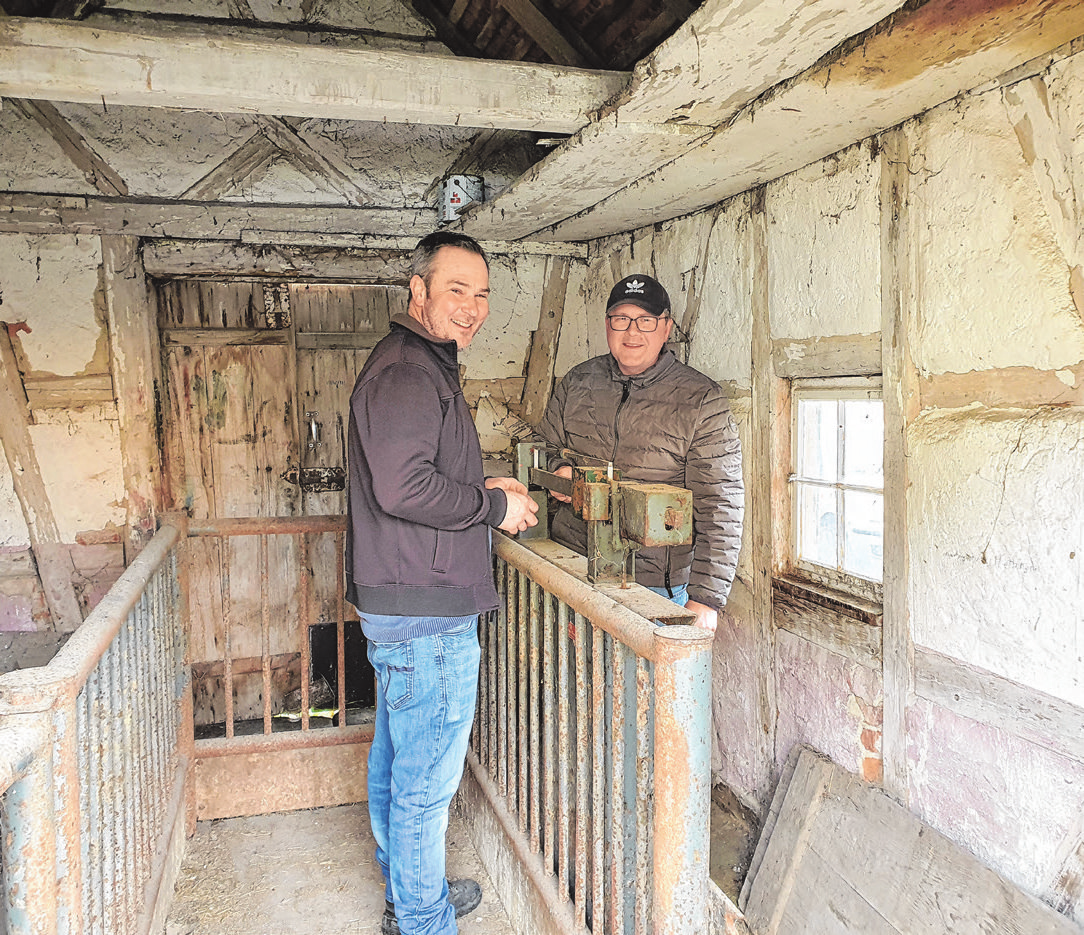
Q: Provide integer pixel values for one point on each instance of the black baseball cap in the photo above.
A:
(642, 291)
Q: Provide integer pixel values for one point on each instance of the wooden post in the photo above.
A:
(539, 382)
(53, 559)
(760, 511)
(900, 406)
(133, 346)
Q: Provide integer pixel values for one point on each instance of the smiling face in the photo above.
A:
(454, 304)
(634, 350)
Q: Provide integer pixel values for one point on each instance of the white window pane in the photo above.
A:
(817, 428)
(816, 525)
(863, 535)
(863, 442)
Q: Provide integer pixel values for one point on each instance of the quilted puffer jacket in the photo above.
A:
(672, 425)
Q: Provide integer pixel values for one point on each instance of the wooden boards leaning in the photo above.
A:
(838, 855)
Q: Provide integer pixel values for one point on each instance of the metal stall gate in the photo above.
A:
(592, 751)
(92, 764)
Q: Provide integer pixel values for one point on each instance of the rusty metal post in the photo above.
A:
(682, 800)
(27, 820)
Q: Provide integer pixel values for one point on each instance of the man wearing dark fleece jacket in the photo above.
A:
(418, 570)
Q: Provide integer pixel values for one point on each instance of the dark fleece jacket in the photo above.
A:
(418, 511)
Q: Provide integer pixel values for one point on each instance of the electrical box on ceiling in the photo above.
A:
(458, 191)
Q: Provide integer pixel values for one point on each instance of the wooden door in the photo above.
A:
(258, 380)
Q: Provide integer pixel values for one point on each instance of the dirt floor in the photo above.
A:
(309, 872)
(313, 872)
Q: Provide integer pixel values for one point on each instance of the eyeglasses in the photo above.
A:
(645, 324)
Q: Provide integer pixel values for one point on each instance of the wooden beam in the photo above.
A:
(133, 342)
(46, 214)
(447, 31)
(407, 244)
(1004, 388)
(548, 36)
(834, 356)
(223, 337)
(53, 560)
(760, 507)
(918, 58)
(315, 160)
(68, 392)
(539, 382)
(75, 147)
(900, 402)
(251, 155)
(184, 258)
(979, 695)
(70, 62)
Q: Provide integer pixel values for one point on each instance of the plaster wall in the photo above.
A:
(824, 247)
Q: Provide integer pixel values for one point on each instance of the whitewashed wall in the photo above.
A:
(995, 520)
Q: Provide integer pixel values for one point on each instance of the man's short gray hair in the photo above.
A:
(421, 263)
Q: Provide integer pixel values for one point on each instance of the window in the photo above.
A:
(838, 483)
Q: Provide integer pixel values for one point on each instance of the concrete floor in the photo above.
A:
(312, 873)
(303, 873)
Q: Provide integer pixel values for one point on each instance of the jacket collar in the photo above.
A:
(446, 352)
(654, 373)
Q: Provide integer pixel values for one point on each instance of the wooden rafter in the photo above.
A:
(447, 31)
(96, 170)
(315, 160)
(555, 39)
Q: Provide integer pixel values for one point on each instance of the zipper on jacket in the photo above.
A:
(666, 575)
(625, 388)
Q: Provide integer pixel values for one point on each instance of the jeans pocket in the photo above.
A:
(394, 665)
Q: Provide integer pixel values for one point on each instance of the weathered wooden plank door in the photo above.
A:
(258, 380)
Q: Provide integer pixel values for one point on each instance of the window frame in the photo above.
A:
(830, 388)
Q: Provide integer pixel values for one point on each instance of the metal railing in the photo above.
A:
(593, 731)
(92, 762)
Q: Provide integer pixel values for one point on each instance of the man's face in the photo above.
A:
(456, 301)
(635, 350)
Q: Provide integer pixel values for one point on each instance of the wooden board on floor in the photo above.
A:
(842, 858)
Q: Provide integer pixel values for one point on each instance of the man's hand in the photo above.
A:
(521, 508)
(565, 471)
(707, 618)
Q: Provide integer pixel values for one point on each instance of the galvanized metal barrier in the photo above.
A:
(92, 763)
(593, 738)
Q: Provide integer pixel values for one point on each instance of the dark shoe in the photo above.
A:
(464, 895)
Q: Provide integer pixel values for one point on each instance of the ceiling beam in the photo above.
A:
(47, 60)
(919, 58)
(31, 213)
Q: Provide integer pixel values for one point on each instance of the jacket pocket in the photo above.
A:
(442, 551)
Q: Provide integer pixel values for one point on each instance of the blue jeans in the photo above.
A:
(681, 594)
(426, 693)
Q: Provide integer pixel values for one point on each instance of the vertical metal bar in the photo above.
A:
(618, 807)
(69, 854)
(537, 595)
(494, 650)
(340, 626)
(682, 693)
(522, 709)
(265, 633)
(145, 709)
(515, 583)
(643, 790)
(27, 817)
(564, 759)
(502, 684)
(583, 769)
(225, 558)
(598, 777)
(304, 613)
(83, 767)
(549, 733)
(94, 824)
(112, 842)
(125, 779)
